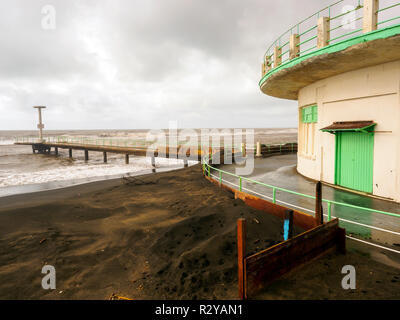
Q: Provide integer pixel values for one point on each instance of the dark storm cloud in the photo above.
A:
(139, 64)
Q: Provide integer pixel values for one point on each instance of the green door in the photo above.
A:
(354, 160)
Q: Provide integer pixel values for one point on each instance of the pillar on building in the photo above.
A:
(127, 159)
(258, 150)
(243, 149)
(268, 64)
(56, 151)
(370, 16)
(277, 56)
(294, 48)
(86, 155)
(323, 32)
(70, 152)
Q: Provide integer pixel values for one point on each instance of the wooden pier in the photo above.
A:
(180, 152)
(184, 153)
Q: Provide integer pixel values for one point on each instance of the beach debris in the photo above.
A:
(256, 221)
(43, 240)
(61, 292)
(117, 297)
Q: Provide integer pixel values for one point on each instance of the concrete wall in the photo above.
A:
(371, 93)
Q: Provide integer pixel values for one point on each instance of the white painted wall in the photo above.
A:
(371, 93)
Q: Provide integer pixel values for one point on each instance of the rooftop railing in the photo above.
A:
(344, 19)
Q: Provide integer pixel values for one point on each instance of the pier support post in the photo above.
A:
(258, 151)
(185, 163)
(105, 157)
(86, 155)
(70, 153)
(241, 247)
(56, 151)
(323, 33)
(153, 162)
(127, 159)
(319, 217)
(370, 16)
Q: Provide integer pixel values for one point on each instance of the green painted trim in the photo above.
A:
(339, 46)
(309, 114)
(361, 176)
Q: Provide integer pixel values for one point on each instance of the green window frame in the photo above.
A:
(309, 114)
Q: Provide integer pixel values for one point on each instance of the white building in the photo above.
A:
(347, 83)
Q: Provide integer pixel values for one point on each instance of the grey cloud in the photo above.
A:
(139, 64)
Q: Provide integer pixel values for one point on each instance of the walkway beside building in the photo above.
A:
(280, 171)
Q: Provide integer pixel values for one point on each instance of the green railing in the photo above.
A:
(340, 22)
(218, 175)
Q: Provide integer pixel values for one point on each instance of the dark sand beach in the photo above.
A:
(168, 235)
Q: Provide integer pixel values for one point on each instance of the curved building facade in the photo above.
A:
(348, 94)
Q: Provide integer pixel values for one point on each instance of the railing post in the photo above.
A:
(288, 225)
(220, 178)
(263, 69)
(319, 217)
(241, 247)
(240, 183)
(258, 151)
(370, 18)
(277, 56)
(329, 211)
(268, 64)
(323, 33)
(274, 195)
(294, 48)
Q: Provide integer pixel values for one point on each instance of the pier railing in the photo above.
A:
(338, 22)
(142, 143)
(220, 175)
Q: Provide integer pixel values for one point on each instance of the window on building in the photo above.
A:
(307, 127)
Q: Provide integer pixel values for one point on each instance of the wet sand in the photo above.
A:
(163, 236)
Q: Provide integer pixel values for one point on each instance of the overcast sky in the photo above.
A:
(140, 64)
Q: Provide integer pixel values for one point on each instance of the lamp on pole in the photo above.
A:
(40, 125)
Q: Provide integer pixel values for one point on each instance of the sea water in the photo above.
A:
(21, 171)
